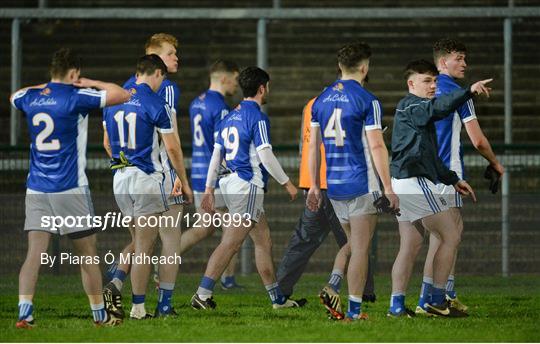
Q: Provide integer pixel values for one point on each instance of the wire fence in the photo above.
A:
(480, 251)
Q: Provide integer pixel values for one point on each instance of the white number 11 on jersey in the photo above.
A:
(334, 129)
(131, 119)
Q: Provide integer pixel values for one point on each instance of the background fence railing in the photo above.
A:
(480, 251)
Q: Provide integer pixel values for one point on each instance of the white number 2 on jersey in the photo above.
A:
(231, 145)
(131, 118)
(334, 129)
(41, 145)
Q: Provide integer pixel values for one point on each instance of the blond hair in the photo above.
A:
(156, 41)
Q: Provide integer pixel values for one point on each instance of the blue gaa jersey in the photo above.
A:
(243, 133)
(449, 128)
(205, 113)
(133, 127)
(57, 117)
(344, 111)
(169, 91)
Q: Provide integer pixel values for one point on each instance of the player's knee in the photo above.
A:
(232, 245)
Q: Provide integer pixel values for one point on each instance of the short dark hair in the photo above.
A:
(224, 66)
(148, 64)
(62, 61)
(349, 56)
(446, 46)
(420, 67)
(250, 79)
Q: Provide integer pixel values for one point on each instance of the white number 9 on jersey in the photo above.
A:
(231, 146)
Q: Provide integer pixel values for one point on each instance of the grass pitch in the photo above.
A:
(502, 310)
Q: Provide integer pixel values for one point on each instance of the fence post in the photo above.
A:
(16, 49)
(246, 261)
(505, 231)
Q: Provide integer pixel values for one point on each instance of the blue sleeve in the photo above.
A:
(373, 115)
(219, 138)
(466, 111)
(172, 95)
(163, 119)
(217, 117)
(260, 131)
(87, 99)
(17, 100)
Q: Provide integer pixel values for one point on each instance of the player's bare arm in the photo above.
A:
(313, 200)
(107, 143)
(115, 93)
(181, 173)
(482, 145)
(379, 154)
(174, 152)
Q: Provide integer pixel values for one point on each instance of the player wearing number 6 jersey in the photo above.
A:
(57, 116)
(132, 129)
(244, 142)
(349, 121)
(206, 112)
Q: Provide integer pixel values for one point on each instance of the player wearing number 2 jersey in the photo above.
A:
(57, 116)
(349, 121)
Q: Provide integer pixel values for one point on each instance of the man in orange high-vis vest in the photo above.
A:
(313, 227)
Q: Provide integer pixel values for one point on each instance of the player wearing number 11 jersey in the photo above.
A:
(132, 129)
(349, 121)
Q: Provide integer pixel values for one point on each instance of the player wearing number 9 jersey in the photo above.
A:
(57, 116)
(349, 121)
(244, 142)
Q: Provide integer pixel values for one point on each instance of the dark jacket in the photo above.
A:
(414, 138)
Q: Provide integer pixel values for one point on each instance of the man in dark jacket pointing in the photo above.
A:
(415, 169)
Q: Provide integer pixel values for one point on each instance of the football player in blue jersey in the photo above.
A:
(244, 142)
(132, 129)
(415, 168)
(206, 112)
(57, 117)
(449, 57)
(347, 119)
(164, 45)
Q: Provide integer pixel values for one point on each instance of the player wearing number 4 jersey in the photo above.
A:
(133, 129)
(349, 121)
(57, 116)
(244, 142)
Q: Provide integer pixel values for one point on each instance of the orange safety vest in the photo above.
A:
(305, 178)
